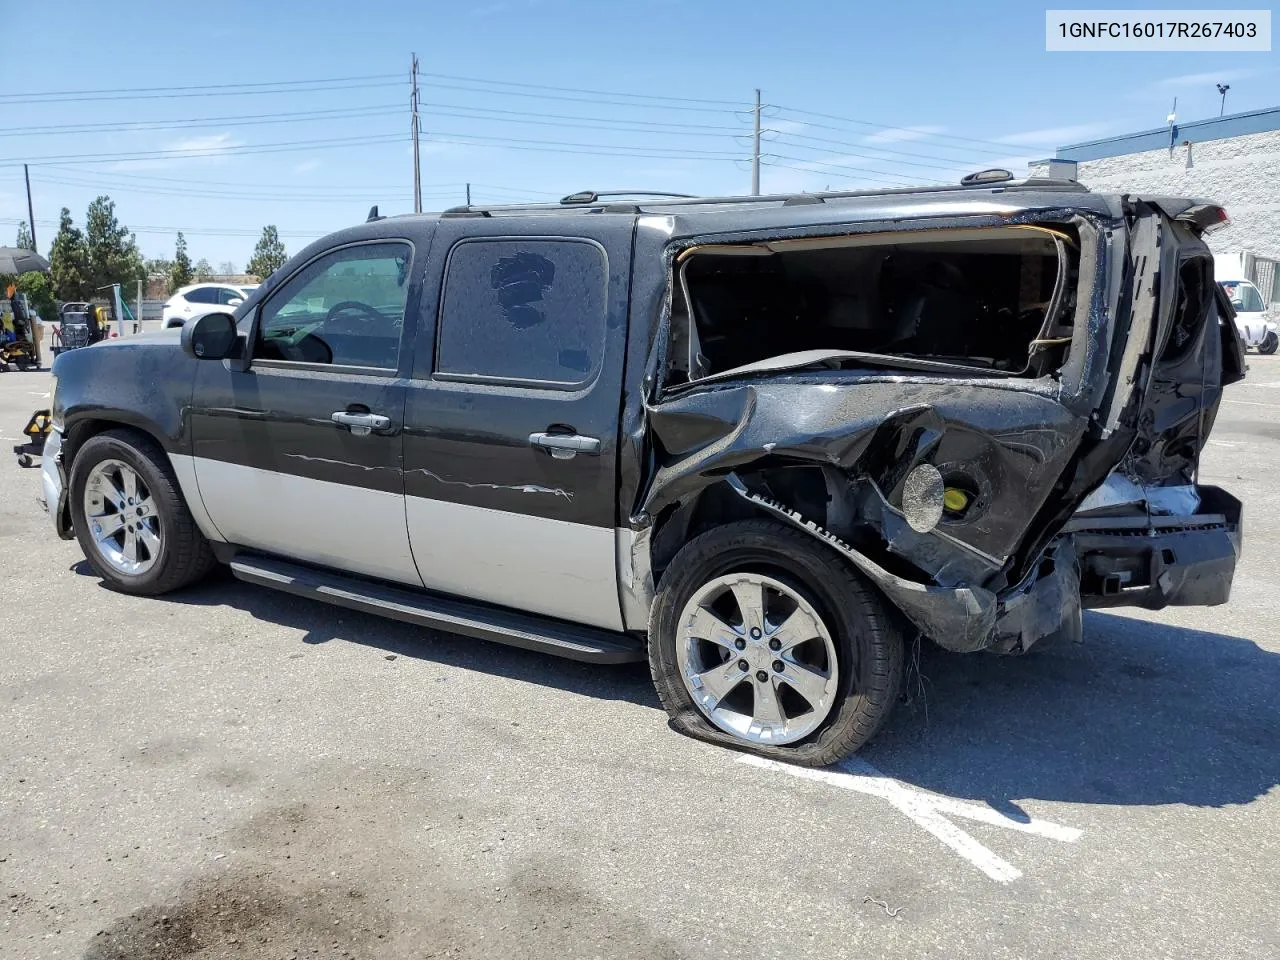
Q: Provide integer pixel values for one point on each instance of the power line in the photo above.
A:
(737, 104)
(788, 142)
(213, 150)
(193, 231)
(118, 126)
(90, 97)
(558, 146)
(553, 96)
(883, 126)
(642, 125)
(833, 171)
(202, 87)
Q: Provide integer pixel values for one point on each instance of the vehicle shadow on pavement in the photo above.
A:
(323, 623)
(1140, 713)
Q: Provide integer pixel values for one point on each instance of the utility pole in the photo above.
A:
(31, 217)
(755, 151)
(468, 194)
(137, 321)
(413, 106)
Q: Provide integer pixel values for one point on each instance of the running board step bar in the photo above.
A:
(571, 640)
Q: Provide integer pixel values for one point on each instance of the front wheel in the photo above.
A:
(129, 515)
(763, 639)
(1269, 343)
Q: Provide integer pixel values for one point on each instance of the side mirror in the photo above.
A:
(212, 336)
(235, 301)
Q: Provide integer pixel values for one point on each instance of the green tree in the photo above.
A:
(203, 270)
(68, 261)
(39, 290)
(268, 256)
(24, 241)
(111, 250)
(180, 272)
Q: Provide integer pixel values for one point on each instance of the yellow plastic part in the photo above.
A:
(955, 499)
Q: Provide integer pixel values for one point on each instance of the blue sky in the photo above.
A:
(646, 95)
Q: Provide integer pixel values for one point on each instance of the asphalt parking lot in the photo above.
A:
(233, 773)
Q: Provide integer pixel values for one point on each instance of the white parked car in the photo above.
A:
(1256, 329)
(199, 298)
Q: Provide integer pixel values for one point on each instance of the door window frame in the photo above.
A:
(406, 341)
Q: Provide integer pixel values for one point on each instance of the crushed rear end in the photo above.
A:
(996, 418)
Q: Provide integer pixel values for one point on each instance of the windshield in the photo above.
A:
(1244, 296)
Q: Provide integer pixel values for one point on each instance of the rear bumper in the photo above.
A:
(1133, 561)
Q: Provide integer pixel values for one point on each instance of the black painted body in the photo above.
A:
(1031, 448)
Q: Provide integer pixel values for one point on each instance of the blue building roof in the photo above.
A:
(1197, 131)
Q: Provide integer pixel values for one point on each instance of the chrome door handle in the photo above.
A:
(565, 446)
(360, 424)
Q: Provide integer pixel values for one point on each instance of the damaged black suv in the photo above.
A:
(759, 441)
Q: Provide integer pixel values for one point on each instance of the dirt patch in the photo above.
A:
(241, 916)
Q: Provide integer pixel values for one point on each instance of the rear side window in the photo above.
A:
(524, 311)
(202, 295)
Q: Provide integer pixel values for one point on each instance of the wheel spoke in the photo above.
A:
(796, 629)
(130, 546)
(149, 539)
(109, 525)
(705, 625)
(768, 707)
(112, 493)
(750, 597)
(806, 681)
(129, 480)
(720, 681)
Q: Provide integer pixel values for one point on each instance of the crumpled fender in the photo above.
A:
(961, 619)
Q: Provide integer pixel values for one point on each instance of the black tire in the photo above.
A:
(1269, 344)
(869, 644)
(185, 555)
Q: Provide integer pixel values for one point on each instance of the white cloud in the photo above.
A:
(1206, 80)
(207, 146)
(1055, 136)
(904, 134)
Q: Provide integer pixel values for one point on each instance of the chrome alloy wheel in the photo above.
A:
(122, 518)
(757, 659)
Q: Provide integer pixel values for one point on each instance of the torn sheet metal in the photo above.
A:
(1006, 446)
(960, 618)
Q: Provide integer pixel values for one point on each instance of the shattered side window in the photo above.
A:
(526, 311)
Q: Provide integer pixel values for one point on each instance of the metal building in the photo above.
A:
(1234, 160)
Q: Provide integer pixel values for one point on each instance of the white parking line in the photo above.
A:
(929, 811)
(1252, 403)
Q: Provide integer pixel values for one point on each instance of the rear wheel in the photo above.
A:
(130, 518)
(1269, 343)
(765, 640)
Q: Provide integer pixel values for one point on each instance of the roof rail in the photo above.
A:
(591, 196)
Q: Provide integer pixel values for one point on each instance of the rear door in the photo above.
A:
(511, 425)
(300, 454)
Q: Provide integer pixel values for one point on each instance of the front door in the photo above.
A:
(300, 454)
(511, 429)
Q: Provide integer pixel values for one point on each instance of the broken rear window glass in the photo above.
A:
(530, 312)
(993, 300)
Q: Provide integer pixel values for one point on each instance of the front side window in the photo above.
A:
(345, 308)
(226, 295)
(524, 311)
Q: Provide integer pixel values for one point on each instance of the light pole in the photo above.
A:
(1222, 89)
